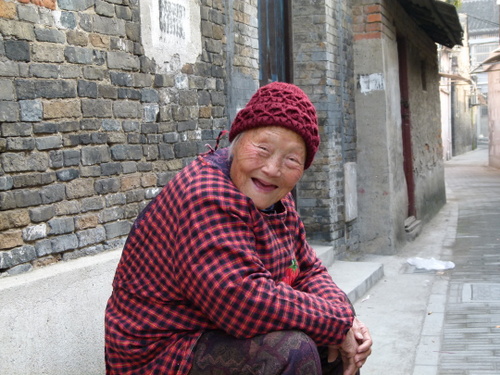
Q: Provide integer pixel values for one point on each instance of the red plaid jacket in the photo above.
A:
(200, 257)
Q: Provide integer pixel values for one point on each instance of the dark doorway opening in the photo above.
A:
(275, 41)
(406, 124)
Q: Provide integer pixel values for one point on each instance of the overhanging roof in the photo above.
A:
(438, 19)
(491, 63)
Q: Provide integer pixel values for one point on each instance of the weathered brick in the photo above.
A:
(44, 70)
(93, 73)
(126, 152)
(64, 243)
(115, 199)
(95, 155)
(9, 69)
(17, 29)
(111, 125)
(61, 225)
(108, 169)
(80, 188)
(17, 162)
(48, 143)
(29, 14)
(91, 236)
(90, 124)
(102, 25)
(6, 89)
(53, 193)
(92, 204)
(19, 255)
(111, 214)
(79, 55)
(75, 5)
(53, 89)
(166, 151)
(149, 96)
(77, 38)
(33, 179)
(106, 186)
(31, 110)
(97, 108)
(50, 35)
(5, 182)
(126, 109)
(99, 40)
(9, 111)
(67, 20)
(71, 157)
(121, 79)
(43, 247)
(104, 8)
(107, 92)
(18, 50)
(126, 93)
(123, 61)
(68, 126)
(86, 221)
(7, 10)
(27, 198)
(87, 89)
(10, 239)
(20, 144)
(34, 232)
(41, 214)
(150, 112)
(70, 71)
(56, 159)
(68, 174)
(14, 219)
(48, 52)
(56, 109)
(124, 12)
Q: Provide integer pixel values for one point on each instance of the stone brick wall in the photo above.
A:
(89, 130)
(323, 67)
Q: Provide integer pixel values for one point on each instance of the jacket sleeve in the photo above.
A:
(314, 278)
(220, 274)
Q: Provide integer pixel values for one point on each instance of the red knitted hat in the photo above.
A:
(280, 104)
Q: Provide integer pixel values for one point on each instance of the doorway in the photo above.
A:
(275, 41)
(406, 124)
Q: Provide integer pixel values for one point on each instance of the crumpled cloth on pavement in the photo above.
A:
(430, 264)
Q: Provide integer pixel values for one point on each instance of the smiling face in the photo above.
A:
(267, 163)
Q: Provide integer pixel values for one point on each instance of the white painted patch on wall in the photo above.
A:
(371, 82)
(171, 32)
(350, 191)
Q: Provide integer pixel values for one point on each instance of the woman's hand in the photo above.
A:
(354, 350)
(364, 340)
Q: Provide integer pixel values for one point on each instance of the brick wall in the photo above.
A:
(89, 130)
(323, 67)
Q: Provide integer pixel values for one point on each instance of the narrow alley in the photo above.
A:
(443, 322)
(471, 332)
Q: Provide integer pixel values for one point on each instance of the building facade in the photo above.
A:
(102, 102)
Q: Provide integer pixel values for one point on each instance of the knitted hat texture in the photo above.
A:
(281, 104)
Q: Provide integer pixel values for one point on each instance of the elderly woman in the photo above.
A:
(217, 277)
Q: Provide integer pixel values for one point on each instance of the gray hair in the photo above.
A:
(232, 145)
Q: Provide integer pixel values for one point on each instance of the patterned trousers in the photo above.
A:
(280, 352)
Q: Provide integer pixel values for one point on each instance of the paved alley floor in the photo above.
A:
(443, 322)
(471, 333)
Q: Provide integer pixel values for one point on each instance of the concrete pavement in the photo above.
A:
(441, 322)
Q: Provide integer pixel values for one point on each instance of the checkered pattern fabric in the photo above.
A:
(201, 256)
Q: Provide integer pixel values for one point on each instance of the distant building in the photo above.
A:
(483, 27)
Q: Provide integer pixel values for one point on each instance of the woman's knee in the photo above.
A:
(299, 352)
(275, 353)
